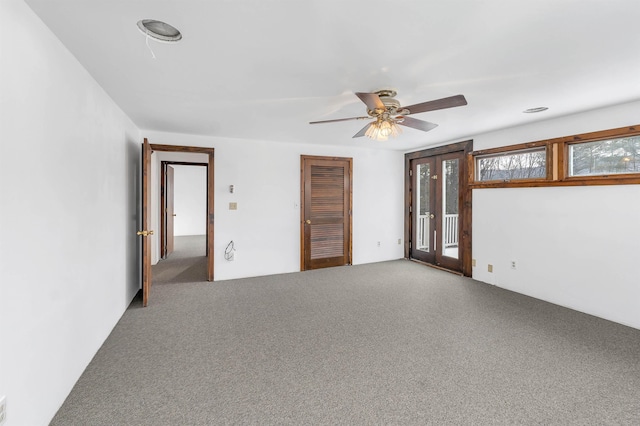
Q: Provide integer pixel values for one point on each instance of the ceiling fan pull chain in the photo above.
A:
(153, 55)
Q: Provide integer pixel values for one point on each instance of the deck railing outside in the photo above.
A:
(450, 231)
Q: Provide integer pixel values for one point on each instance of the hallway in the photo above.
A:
(187, 263)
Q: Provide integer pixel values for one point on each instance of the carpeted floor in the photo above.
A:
(187, 263)
(386, 343)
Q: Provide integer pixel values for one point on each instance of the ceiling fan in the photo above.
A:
(388, 114)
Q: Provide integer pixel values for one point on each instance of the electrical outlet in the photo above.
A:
(490, 268)
(233, 206)
(473, 262)
(399, 241)
(513, 264)
(378, 243)
(3, 409)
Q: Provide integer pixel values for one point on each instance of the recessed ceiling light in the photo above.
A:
(160, 31)
(533, 110)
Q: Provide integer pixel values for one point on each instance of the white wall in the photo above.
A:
(69, 173)
(190, 200)
(266, 226)
(574, 246)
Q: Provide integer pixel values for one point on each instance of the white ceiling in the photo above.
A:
(262, 69)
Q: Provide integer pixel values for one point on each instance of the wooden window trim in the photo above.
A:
(507, 150)
(558, 162)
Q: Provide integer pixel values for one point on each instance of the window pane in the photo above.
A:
(423, 197)
(606, 157)
(450, 208)
(525, 164)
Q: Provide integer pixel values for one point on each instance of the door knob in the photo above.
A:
(145, 233)
(174, 214)
(432, 216)
(308, 221)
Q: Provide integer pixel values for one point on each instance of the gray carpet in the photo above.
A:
(388, 343)
(187, 263)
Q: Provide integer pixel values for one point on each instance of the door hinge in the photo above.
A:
(410, 209)
(410, 172)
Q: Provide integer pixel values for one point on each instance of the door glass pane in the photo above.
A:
(450, 180)
(422, 195)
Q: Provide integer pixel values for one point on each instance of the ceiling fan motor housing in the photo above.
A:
(387, 98)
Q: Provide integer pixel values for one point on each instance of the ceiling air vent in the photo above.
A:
(534, 110)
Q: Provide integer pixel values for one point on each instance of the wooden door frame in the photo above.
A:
(303, 158)
(210, 193)
(146, 232)
(464, 193)
(163, 199)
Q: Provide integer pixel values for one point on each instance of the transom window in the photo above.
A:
(599, 158)
(514, 165)
(606, 157)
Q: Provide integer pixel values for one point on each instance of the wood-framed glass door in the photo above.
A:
(438, 207)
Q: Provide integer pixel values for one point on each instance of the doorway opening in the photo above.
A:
(147, 232)
(438, 207)
(182, 222)
(183, 188)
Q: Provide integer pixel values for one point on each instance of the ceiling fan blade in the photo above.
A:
(450, 102)
(425, 126)
(340, 119)
(372, 100)
(363, 131)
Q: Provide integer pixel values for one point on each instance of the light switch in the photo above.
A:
(233, 206)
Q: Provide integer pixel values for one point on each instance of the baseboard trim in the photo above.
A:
(460, 274)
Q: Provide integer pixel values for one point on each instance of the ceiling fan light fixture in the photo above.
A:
(385, 128)
(382, 129)
(395, 129)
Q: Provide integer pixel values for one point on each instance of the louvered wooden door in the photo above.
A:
(326, 212)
